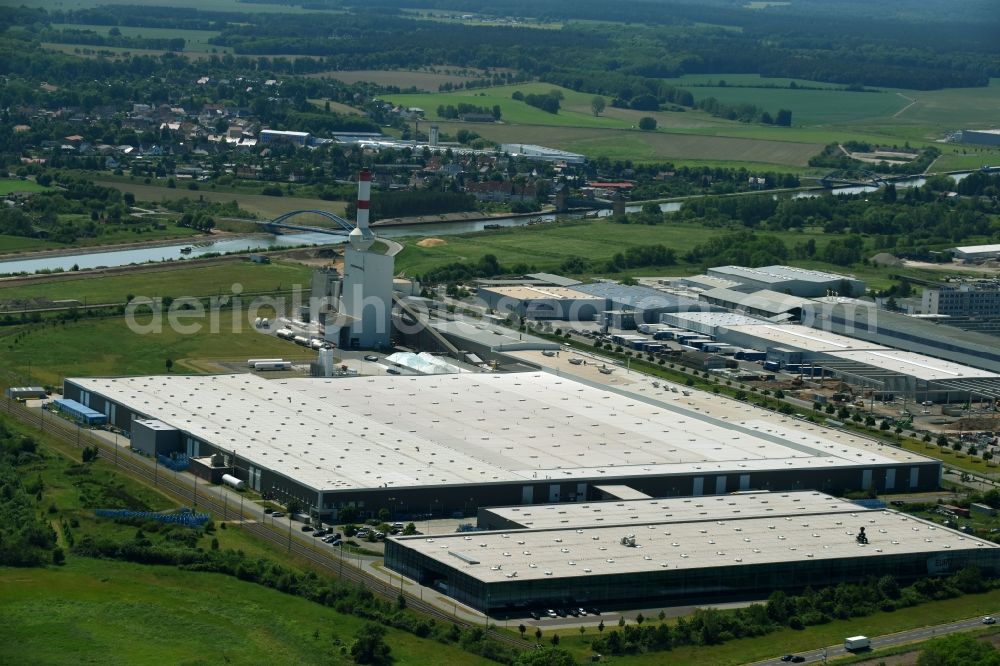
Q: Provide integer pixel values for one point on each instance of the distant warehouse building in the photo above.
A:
(790, 280)
(271, 136)
(974, 253)
(863, 322)
(542, 302)
(682, 548)
(646, 304)
(443, 444)
(986, 137)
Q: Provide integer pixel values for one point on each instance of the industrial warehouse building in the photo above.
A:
(645, 304)
(972, 253)
(790, 280)
(865, 322)
(856, 361)
(682, 548)
(542, 302)
(451, 443)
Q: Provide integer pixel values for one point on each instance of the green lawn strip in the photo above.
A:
(746, 650)
(124, 613)
(175, 281)
(13, 244)
(10, 185)
(108, 347)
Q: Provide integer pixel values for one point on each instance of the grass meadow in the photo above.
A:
(173, 281)
(11, 185)
(120, 613)
(107, 347)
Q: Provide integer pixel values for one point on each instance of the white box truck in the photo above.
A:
(853, 643)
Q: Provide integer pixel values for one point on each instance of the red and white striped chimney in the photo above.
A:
(364, 199)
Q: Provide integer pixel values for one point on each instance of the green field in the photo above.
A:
(113, 235)
(174, 282)
(10, 185)
(194, 40)
(92, 611)
(422, 79)
(106, 347)
(834, 114)
(545, 246)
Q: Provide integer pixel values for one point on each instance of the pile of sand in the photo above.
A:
(886, 259)
(431, 242)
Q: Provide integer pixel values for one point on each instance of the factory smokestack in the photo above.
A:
(361, 238)
(364, 199)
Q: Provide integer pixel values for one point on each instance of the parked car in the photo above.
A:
(371, 357)
(581, 612)
(551, 613)
(307, 528)
(268, 510)
(336, 542)
(392, 371)
(534, 615)
(277, 514)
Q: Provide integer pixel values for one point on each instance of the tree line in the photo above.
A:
(709, 626)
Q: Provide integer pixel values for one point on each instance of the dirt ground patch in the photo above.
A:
(432, 242)
(988, 268)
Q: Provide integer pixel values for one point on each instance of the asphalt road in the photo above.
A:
(890, 640)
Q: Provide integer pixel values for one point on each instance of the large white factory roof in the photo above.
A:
(495, 557)
(977, 249)
(671, 510)
(778, 274)
(804, 337)
(528, 292)
(915, 365)
(477, 428)
(729, 320)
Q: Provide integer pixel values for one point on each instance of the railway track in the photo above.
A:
(338, 567)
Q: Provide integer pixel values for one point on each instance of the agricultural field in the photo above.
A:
(833, 114)
(194, 40)
(264, 206)
(11, 185)
(204, 5)
(423, 79)
(175, 281)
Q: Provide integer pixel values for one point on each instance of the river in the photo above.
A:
(228, 244)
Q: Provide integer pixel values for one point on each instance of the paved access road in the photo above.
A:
(889, 640)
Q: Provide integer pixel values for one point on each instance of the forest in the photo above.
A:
(912, 47)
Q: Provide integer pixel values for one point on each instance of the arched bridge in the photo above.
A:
(842, 177)
(282, 222)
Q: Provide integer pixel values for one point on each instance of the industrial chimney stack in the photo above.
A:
(362, 237)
